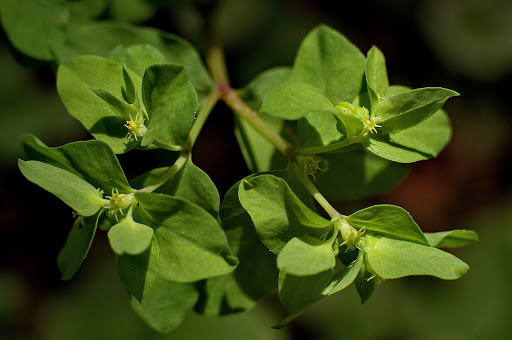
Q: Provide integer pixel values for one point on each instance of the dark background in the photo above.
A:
(464, 45)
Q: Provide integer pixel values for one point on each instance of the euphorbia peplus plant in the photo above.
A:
(330, 127)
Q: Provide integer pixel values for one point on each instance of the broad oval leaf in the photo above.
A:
(77, 246)
(392, 258)
(171, 102)
(381, 146)
(293, 101)
(190, 183)
(85, 199)
(376, 75)
(331, 63)
(101, 38)
(129, 237)
(344, 277)
(91, 160)
(365, 281)
(357, 174)
(34, 27)
(192, 244)
(76, 80)
(138, 57)
(388, 220)
(410, 108)
(277, 213)
(139, 271)
(428, 137)
(305, 256)
(297, 292)
(318, 129)
(166, 304)
(256, 275)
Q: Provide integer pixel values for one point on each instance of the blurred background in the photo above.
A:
(465, 45)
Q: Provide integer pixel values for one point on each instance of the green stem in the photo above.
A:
(241, 109)
(333, 213)
(217, 66)
(173, 170)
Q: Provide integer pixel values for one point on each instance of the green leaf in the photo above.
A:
(166, 304)
(297, 292)
(376, 75)
(140, 271)
(255, 92)
(35, 149)
(293, 101)
(277, 213)
(344, 277)
(388, 220)
(124, 110)
(34, 26)
(71, 189)
(192, 244)
(452, 238)
(331, 63)
(190, 183)
(77, 246)
(212, 296)
(306, 256)
(91, 160)
(130, 92)
(357, 174)
(129, 237)
(256, 275)
(318, 129)
(138, 57)
(101, 38)
(365, 281)
(76, 78)
(392, 258)
(382, 146)
(410, 108)
(258, 152)
(428, 137)
(171, 102)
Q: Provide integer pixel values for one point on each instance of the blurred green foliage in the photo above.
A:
(469, 41)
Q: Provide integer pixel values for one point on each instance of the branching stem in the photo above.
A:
(217, 65)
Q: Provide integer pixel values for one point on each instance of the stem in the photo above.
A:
(173, 170)
(217, 66)
(244, 111)
(333, 213)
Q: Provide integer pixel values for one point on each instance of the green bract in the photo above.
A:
(329, 127)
